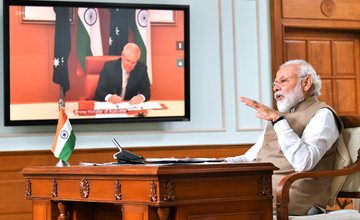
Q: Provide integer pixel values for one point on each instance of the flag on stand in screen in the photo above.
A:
(65, 139)
(139, 22)
(62, 48)
(119, 30)
(89, 41)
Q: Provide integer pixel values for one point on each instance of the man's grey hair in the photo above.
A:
(306, 69)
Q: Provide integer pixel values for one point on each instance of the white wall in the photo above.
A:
(230, 57)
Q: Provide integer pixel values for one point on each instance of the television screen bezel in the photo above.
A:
(94, 4)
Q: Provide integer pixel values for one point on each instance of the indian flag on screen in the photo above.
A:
(140, 26)
(89, 41)
(65, 139)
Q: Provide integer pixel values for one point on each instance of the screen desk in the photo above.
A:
(196, 191)
(50, 110)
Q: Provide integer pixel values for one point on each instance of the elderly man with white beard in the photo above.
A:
(302, 135)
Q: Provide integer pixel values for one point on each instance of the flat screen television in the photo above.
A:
(55, 52)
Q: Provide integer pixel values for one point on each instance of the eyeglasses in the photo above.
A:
(283, 81)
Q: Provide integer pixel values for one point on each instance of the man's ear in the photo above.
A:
(307, 83)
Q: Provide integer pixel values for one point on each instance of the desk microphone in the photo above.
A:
(117, 144)
(125, 156)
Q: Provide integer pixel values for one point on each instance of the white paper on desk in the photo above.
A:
(144, 105)
(126, 105)
(96, 164)
(151, 105)
(182, 160)
(112, 115)
(111, 106)
(104, 106)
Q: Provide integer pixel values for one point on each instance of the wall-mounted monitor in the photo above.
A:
(71, 54)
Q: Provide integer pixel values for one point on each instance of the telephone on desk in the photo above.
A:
(125, 156)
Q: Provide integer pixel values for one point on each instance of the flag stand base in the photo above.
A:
(62, 163)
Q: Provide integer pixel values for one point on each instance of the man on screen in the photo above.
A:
(124, 79)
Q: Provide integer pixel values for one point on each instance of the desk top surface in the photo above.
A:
(218, 168)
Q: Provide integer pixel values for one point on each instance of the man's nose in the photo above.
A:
(276, 88)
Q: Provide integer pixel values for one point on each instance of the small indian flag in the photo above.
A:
(65, 139)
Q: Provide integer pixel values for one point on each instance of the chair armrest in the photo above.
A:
(282, 191)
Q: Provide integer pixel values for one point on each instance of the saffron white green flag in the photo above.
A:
(140, 26)
(89, 41)
(65, 139)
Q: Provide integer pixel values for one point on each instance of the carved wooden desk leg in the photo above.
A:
(63, 211)
(163, 213)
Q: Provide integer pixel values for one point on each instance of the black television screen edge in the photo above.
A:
(33, 89)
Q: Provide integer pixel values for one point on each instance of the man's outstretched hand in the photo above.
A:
(262, 111)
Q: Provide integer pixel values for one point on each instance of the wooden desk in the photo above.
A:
(210, 191)
(50, 111)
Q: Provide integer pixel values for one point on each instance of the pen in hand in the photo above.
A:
(115, 93)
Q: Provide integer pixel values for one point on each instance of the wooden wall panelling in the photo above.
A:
(346, 75)
(295, 49)
(330, 42)
(336, 62)
(322, 9)
(277, 34)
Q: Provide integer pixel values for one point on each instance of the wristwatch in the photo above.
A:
(277, 120)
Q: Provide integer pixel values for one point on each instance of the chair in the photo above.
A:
(350, 188)
(94, 65)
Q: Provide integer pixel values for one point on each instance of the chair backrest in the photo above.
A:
(351, 135)
(350, 188)
(94, 65)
